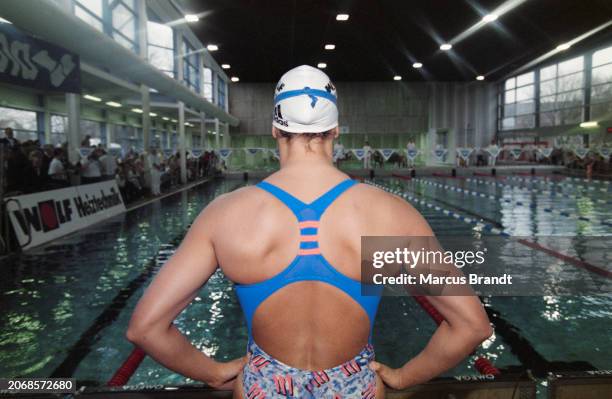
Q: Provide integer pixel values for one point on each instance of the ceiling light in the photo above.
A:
(446, 46)
(174, 120)
(589, 124)
(235, 79)
(4, 21)
(321, 65)
(330, 46)
(479, 77)
(489, 18)
(212, 47)
(563, 46)
(192, 18)
(417, 65)
(113, 104)
(342, 17)
(165, 118)
(92, 98)
(137, 110)
(225, 66)
(152, 114)
(397, 77)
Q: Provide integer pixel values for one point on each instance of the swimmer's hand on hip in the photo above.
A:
(225, 373)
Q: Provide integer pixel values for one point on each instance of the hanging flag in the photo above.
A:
(464, 153)
(85, 151)
(546, 151)
(412, 153)
(516, 152)
(605, 152)
(275, 152)
(224, 153)
(493, 151)
(197, 152)
(386, 152)
(581, 152)
(439, 154)
(359, 153)
(252, 150)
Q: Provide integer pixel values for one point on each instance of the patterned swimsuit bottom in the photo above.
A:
(266, 377)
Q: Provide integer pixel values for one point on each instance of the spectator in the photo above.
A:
(16, 162)
(57, 173)
(91, 171)
(9, 138)
(155, 167)
(108, 163)
(34, 175)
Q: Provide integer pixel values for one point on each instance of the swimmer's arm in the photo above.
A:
(466, 325)
(175, 286)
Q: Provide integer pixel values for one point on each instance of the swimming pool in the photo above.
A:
(66, 305)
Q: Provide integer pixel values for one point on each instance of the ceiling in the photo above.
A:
(261, 39)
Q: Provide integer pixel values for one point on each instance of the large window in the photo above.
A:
(601, 84)
(161, 47)
(190, 67)
(221, 93)
(124, 23)
(208, 84)
(117, 18)
(22, 122)
(562, 93)
(519, 102)
(59, 126)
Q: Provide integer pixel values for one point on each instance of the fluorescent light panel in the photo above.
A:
(192, 18)
(225, 66)
(397, 77)
(446, 46)
(113, 104)
(479, 77)
(212, 47)
(330, 46)
(92, 98)
(417, 65)
(342, 17)
(235, 79)
(321, 65)
(589, 124)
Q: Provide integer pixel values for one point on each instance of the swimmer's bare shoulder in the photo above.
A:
(387, 214)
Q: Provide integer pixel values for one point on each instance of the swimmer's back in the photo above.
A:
(307, 324)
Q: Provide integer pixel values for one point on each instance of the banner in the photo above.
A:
(464, 153)
(412, 153)
(51, 214)
(605, 152)
(516, 152)
(26, 61)
(253, 151)
(386, 152)
(197, 152)
(359, 153)
(167, 152)
(546, 151)
(493, 151)
(439, 154)
(224, 153)
(581, 152)
(275, 152)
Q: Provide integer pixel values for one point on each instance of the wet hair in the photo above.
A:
(309, 136)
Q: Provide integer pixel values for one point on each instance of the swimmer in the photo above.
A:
(291, 244)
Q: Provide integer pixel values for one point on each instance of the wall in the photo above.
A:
(467, 111)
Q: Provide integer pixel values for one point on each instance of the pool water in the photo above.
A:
(66, 305)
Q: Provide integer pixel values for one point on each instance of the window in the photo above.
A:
(161, 47)
(191, 71)
(221, 93)
(562, 93)
(22, 122)
(601, 84)
(90, 11)
(90, 128)
(116, 18)
(519, 103)
(59, 125)
(208, 84)
(124, 24)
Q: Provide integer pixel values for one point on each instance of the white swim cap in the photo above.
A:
(305, 101)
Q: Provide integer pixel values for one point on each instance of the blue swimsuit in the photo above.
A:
(266, 377)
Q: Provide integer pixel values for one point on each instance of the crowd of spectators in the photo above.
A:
(30, 167)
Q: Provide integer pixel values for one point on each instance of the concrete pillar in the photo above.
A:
(202, 129)
(110, 133)
(217, 133)
(47, 120)
(168, 138)
(73, 136)
(182, 148)
(146, 118)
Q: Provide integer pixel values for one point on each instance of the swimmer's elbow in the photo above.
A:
(481, 330)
